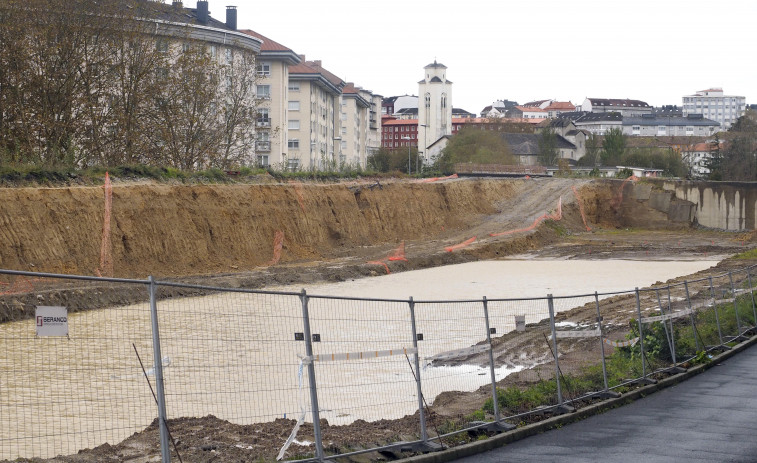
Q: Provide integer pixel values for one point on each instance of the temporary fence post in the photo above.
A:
(735, 306)
(691, 315)
(551, 304)
(641, 336)
(497, 423)
(717, 316)
(491, 361)
(606, 392)
(165, 450)
(311, 377)
(421, 412)
(670, 334)
(751, 293)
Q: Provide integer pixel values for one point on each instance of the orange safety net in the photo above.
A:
(436, 179)
(399, 253)
(616, 202)
(556, 215)
(464, 244)
(298, 192)
(278, 245)
(106, 256)
(580, 207)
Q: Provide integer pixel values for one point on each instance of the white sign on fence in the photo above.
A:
(520, 323)
(51, 321)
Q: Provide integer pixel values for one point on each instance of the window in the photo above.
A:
(186, 48)
(263, 119)
(294, 86)
(213, 51)
(428, 100)
(229, 56)
(264, 91)
(636, 129)
(689, 130)
(294, 106)
(293, 124)
(293, 143)
(263, 160)
(293, 164)
(264, 68)
(661, 130)
(161, 46)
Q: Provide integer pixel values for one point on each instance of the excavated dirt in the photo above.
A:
(223, 235)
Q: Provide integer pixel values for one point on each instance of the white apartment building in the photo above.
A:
(360, 126)
(713, 104)
(272, 89)
(313, 116)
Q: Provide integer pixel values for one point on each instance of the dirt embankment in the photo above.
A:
(226, 234)
(169, 230)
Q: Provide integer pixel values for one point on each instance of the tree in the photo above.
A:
(392, 160)
(548, 152)
(593, 145)
(614, 146)
(88, 82)
(738, 160)
(473, 145)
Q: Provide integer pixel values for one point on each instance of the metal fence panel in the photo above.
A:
(233, 355)
(579, 344)
(62, 394)
(522, 354)
(453, 334)
(364, 363)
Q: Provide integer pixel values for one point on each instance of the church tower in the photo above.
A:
(434, 108)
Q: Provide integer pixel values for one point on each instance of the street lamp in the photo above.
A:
(417, 169)
(339, 141)
(312, 149)
(408, 153)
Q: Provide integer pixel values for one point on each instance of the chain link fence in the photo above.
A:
(401, 375)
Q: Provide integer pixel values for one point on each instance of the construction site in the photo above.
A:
(264, 234)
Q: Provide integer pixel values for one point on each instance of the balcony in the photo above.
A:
(263, 123)
(263, 146)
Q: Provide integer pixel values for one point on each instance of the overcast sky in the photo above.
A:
(650, 50)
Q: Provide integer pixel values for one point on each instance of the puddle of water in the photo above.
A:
(234, 355)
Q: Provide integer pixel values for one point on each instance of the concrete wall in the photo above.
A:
(720, 205)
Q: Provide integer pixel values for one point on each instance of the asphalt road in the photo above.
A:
(711, 417)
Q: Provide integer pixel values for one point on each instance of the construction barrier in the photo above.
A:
(76, 375)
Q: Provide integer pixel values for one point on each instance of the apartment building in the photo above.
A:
(313, 116)
(272, 90)
(624, 107)
(714, 104)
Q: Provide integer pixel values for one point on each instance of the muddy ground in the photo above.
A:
(206, 439)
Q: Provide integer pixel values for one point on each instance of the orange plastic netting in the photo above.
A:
(462, 245)
(581, 208)
(436, 179)
(397, 255)
(278, 245)
(618, 199)
(298, 191)
(106, 255)
(555, 215)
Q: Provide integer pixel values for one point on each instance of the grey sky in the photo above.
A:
(651, 50)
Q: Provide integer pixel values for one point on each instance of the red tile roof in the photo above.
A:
(559, 105)
(268, 44)
(531, 109)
